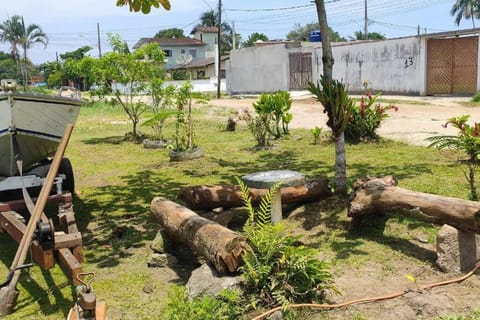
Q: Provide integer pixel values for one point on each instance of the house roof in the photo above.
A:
(204, 29)
(169, 42)
(198, 63)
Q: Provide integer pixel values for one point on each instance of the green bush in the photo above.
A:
(278, 270)
(225, 306)
(366, 118)
(476, 97)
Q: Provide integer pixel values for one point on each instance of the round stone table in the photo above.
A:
(266, 179)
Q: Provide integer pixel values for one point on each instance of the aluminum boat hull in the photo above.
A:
(37, 122)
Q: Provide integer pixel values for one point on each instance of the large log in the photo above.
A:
(373, 195)
(219, 245)
(227, 196)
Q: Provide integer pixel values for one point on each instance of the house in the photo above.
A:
(174, 47)
(202, 68)
(201, 46)
(427, 64)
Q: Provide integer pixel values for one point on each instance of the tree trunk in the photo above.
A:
(377, 194)
(219, 245)
(327, 56)
(340, 165)
(227, 196)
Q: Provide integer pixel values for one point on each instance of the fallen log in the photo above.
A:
(227, 196)
(219, 245)
(374, 194)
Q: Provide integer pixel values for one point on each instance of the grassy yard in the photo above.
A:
(116, 181)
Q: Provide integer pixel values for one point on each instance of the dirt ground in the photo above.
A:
(416, 119)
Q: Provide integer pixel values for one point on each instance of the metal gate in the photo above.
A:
(452, 65)
(300, 70)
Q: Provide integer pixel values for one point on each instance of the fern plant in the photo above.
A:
(276, 268)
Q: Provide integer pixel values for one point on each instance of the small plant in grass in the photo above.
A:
(316, 134)
(271, 118)
(163, 99)
(476, 97)
(225, 306)
(184, 134)
(467, 141)
(367, 117)
(278, 269)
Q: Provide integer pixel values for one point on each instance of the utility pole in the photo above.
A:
(98, 37)
(219, 44)
(366, 21)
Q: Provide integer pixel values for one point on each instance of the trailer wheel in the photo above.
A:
(66, 169)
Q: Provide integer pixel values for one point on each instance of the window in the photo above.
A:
(168, 53)
(182, 51)
(193, 53)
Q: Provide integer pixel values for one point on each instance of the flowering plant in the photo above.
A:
(366, 118)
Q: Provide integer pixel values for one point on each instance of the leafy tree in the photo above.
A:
(254, 37)
(8, 68)
(117, 44)
(144, 5)
(468, 9)
(15, 31)
(170, 33)
(333, 95)
(359, 35)
(466, 141)
(76, 54)
(300, 33)
(132, 70)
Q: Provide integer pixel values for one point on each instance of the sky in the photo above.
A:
(71, 24)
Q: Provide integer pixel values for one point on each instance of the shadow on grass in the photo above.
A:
(122, 221)
(115, 140)
(361, 170)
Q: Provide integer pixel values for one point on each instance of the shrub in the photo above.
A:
(316, 134)
(278, 269)
(225, 306)
(366, 118)
(476, 97)
(468, 141)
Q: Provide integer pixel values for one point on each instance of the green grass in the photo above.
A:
(117, 180)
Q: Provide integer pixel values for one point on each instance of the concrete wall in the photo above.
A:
(391, 66)
(177, 50)
(257, 70)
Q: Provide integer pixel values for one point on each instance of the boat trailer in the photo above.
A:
(47, 239)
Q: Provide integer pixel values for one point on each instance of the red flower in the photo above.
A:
(362, 107)
(395, 108)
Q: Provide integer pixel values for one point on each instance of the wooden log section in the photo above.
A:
(377, 194)
(227, 196)
(219, 245)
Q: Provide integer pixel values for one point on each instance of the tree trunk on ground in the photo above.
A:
(227, 196)
(219, 245)
(377, 194)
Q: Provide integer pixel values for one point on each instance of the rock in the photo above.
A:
(160, 260)
(457, 250)
(231, 123)
(161, 243)
(206, 281)
(148, 288)
(277, 315)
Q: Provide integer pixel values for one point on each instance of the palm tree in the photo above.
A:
(210, 19)
(19, 35)
(9, 31)
(468, 9)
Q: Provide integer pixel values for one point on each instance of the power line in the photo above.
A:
(272, 9)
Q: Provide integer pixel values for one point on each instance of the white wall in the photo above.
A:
(391, 66)
(257, 70)
(395, 66)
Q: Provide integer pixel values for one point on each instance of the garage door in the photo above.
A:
(452, 65)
